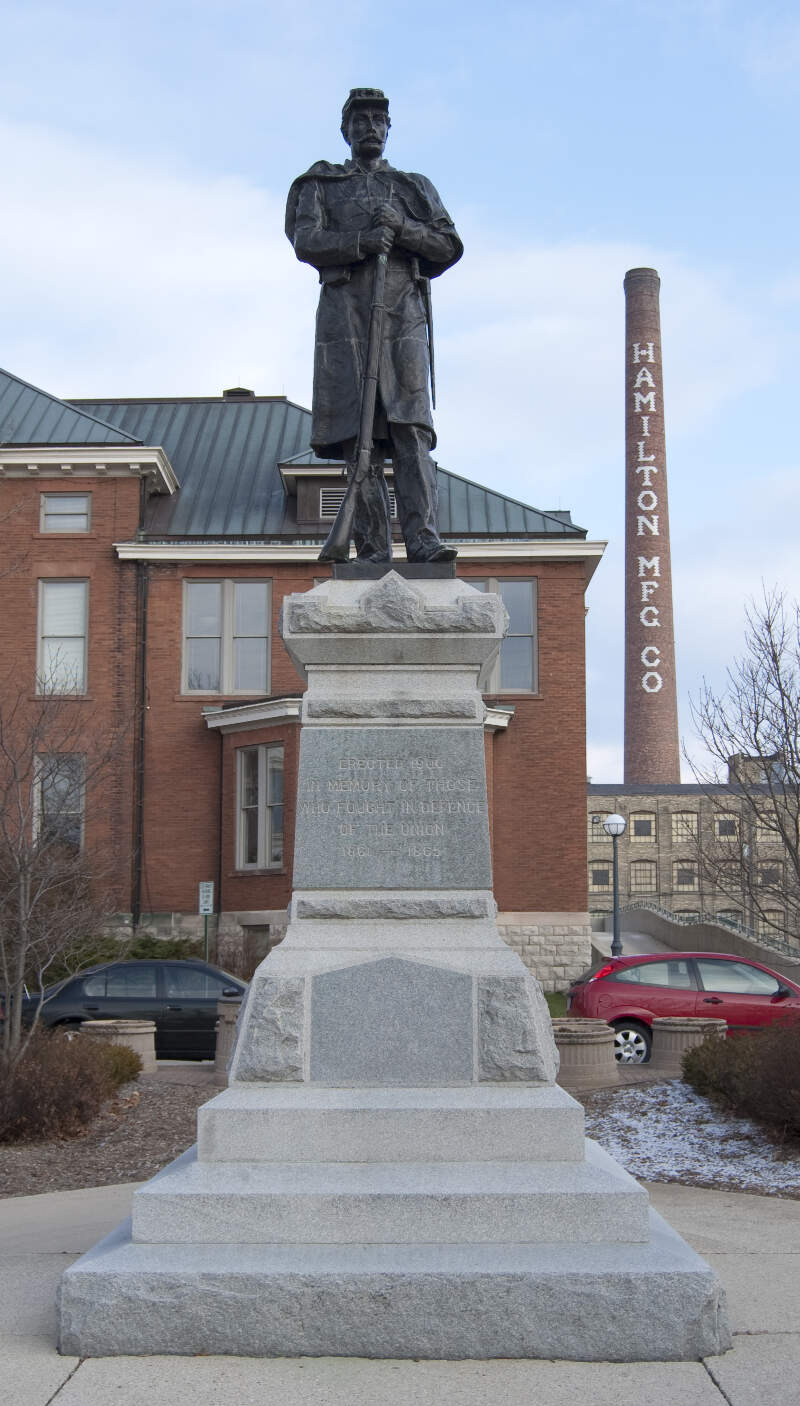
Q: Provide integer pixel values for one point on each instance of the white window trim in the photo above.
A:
(262, 863)
(228, 620)
(82, 688)
(493, 583)
(64, 498)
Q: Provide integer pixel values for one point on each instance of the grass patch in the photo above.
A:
(557, 1002)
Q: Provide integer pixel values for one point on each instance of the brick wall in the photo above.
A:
(108, 706)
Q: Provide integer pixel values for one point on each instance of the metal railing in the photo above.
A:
(775, 943)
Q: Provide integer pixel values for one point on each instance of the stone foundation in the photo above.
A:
(556, 947)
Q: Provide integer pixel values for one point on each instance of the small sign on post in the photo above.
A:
(205, 905)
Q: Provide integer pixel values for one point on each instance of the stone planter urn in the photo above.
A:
(586, 1048)
(673, 1035)
(139, 1035)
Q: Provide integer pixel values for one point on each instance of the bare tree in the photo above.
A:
(751, 729)
(55, 757)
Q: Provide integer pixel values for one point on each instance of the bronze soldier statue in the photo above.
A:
(377, 236)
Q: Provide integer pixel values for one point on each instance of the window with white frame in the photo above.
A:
(65, 512)
(643, 876)
(642, 828)
(260, 807)
(59, 798)
(226, 637)
(684, 826)
(63, 628)
(517, 669)
(767, 830)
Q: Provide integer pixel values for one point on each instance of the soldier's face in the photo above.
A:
(367, 131)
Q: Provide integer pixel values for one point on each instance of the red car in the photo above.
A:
(628, 991)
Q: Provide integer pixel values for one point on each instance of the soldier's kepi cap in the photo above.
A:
(363, 97)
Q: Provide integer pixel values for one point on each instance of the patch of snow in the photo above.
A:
(667, 1132)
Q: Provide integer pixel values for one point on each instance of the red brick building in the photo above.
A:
(150, 545)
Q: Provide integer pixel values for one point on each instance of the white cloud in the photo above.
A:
(129, 279)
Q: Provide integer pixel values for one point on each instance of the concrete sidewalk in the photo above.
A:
(753, 1242)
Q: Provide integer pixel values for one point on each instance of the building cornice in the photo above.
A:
(245, 716)
(100, 461)
(273, 552)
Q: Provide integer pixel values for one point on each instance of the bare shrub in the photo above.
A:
(756, 1074)
(60, 1084)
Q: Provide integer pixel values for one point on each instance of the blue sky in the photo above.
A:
(147, 153)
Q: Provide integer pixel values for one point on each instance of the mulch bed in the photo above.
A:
(142, 1129)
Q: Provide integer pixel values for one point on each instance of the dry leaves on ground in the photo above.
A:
(142, 1129)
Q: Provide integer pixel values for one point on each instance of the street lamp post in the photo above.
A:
(614, 825)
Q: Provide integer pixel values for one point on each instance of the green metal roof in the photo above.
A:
(29, 416)
(226, 454)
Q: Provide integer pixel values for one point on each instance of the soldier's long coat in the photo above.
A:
(326, 210)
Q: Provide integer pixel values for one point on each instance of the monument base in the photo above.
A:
(393, 1171)
(580, 1302)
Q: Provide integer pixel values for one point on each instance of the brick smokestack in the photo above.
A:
(652, 751)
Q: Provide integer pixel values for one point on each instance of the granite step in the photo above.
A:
(391, 1203)
(310, 1123)
(584, 1302)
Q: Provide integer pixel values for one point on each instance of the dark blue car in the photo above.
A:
(180, 996)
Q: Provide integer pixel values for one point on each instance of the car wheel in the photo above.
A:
(632, 1042)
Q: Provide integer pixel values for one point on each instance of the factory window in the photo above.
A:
(726, 827)
(596, 833)
(600, 878)
(684, 877)
(642, 828)
(684, 826)
(643, 876)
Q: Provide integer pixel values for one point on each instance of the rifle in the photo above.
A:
(337, 543)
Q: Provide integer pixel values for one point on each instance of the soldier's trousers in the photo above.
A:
(415, 490)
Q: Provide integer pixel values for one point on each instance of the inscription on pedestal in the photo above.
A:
(392, 808)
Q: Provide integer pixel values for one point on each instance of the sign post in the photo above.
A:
(205, 905)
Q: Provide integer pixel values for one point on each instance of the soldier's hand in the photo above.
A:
(376, 241)
(387, 215)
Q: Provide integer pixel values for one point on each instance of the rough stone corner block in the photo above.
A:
(270, 1044)
(515, 1036)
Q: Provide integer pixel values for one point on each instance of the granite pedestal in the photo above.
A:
(392, 1171)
